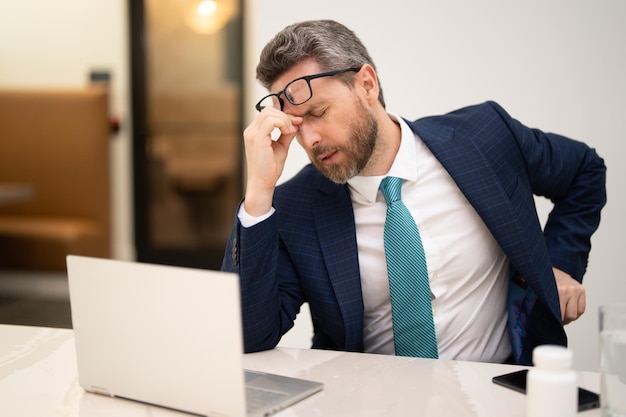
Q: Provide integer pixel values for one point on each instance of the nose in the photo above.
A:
(307, 136)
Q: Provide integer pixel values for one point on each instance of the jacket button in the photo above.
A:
(233, 253)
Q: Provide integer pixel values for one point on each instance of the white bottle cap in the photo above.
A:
(553, 357)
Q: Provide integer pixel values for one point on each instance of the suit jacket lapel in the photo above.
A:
(463, 160)
(334, 220)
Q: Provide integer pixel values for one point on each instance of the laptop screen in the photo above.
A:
(164, 335)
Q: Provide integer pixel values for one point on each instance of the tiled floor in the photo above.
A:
(36, 299)
(33, 312)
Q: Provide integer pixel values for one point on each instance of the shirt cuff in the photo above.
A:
(248, 220)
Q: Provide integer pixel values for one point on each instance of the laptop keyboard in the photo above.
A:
(257, 398)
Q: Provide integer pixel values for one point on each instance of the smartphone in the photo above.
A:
(517, 382)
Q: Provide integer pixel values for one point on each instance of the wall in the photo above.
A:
(56, 44)
(558, 65)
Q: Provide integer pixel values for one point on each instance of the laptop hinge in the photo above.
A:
(101, 391)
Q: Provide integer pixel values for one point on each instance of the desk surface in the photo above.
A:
(38, 377)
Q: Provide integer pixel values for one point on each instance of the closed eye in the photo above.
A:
(315, 112)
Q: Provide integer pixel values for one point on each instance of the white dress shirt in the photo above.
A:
(468, 270)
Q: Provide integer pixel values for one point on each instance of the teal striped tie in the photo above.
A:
(411, 306)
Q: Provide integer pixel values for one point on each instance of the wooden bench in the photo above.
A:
(57, 142)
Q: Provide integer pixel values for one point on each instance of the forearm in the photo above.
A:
(576, 216)
(268, 310)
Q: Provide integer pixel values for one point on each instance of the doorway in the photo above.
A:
(186, 74)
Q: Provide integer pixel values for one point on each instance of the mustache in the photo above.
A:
(324, 150)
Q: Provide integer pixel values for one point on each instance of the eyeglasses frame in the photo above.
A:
(308, 79)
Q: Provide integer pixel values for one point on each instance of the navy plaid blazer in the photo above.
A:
(307, 251)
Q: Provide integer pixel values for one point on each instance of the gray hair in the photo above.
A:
(330, 43)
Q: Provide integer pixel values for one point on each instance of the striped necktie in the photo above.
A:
(411, 305)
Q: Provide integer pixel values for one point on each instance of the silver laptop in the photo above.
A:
(171, 337)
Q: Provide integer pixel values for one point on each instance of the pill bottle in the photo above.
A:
(551, 386)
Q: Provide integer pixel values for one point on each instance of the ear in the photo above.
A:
(368, 81)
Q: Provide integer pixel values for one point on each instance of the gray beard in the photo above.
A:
(358, 152)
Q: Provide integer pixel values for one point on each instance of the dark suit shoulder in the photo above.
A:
(468, 122)
(469, 114)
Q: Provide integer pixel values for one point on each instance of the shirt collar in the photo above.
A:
(364, 189)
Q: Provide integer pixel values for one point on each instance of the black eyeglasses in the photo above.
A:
(297, 91)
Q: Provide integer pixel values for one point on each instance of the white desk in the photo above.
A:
(38, 378)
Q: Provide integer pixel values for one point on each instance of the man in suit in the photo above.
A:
(500, 285)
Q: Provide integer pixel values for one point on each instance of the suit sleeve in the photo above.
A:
(573, 177)
(269, 305)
